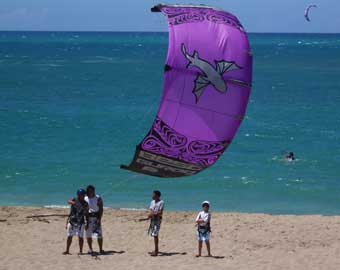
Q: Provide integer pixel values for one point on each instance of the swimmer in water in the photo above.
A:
(290, 156)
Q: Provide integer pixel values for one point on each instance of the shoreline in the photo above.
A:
(63, 207)
(35, 237)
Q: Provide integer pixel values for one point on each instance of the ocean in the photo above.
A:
(73, 105)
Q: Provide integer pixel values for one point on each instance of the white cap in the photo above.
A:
(206, 202)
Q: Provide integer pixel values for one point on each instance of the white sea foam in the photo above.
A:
(56, 206)
(48, 65)
(132, 209)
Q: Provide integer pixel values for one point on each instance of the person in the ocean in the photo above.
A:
(155, 216)
(77, 220)
(96, 208)
(203, 228)
(290, 156)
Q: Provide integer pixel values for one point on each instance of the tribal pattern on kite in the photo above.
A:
(162, 139)
(182, 14)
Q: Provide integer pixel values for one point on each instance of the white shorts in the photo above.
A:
(75, 230)
(203, 237)
(154, 229)
(94, 231)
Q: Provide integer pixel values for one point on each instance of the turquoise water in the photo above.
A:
(74, 105)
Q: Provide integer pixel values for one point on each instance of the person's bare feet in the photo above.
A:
(66, 253)
(198, 255)
(102, 251)
(154, 253)
(209, 255)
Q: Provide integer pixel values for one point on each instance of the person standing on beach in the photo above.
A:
(96, 208)
(155, 216)
(203, 228)
(77, 220)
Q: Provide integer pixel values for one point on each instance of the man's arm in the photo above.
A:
(71, 201)
(160, 213)
(87, 218)
(151, 214)
(199, 220)
(67, 220)
(160, 210)
(150, 211)
(101, 209)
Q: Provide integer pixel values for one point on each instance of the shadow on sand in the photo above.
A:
(170, 253)
(105, 253)
(217, 257)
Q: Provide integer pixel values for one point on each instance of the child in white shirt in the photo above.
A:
(203, 228)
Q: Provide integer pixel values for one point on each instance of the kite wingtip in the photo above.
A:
(156, 8)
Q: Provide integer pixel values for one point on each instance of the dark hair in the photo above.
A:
(90, 187)
(206, 204)
(157, 193)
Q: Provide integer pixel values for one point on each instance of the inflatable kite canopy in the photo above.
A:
(207, 82)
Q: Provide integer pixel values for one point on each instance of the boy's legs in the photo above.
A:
(199, 249)
(156, 241)
(81, 244)
(208, 248)
(89, 242)
(100, 244)
(98, 232)
(68, 245)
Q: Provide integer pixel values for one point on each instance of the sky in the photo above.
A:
(135, 15)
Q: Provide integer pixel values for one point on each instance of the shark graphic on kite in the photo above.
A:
(211, 75)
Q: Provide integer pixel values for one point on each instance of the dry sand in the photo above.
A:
(240, 241)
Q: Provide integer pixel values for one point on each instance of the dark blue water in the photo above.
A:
(74, 105)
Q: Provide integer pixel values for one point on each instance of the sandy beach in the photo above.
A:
(239, 241)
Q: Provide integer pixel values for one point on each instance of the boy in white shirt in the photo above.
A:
(203, 228)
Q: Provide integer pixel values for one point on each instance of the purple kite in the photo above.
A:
(207, 82)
